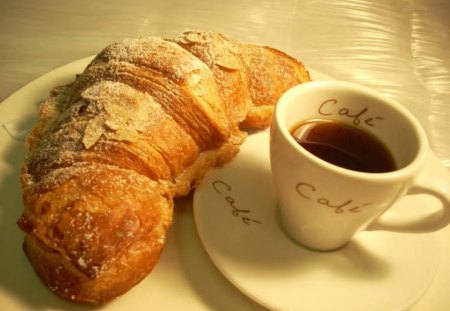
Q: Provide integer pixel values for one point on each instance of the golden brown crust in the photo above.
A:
(250, 78)
(269, 74)
(179, 82)
(81, 233)
(222, 56)
(141, 125)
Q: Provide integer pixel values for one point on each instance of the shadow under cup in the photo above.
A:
(351, 104)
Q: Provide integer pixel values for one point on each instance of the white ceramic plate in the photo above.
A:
(183, 267)
(236, 217)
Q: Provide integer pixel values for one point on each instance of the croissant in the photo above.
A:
(138, 127)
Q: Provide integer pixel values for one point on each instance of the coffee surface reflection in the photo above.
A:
(344, 145)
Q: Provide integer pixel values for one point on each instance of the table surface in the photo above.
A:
(400, 48)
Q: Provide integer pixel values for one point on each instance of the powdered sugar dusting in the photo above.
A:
(123, 112)
(85, 199)
(154, 53)
(212, 48)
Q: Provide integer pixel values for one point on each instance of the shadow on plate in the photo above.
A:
(265, 249)
(211, 286)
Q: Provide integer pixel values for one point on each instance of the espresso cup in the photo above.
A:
(322, 205)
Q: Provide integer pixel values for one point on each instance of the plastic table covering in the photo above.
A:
(400, 48)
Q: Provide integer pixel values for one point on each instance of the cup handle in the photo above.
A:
(434, 180)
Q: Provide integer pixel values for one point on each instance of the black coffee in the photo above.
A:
(344, 145)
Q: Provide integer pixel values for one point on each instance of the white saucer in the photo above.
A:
(236, 218)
